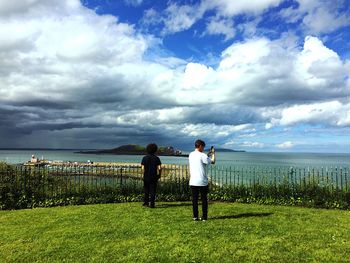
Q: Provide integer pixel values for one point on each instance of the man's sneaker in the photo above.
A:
(203, 219)
(196, 219)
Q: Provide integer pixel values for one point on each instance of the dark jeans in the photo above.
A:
(150, 188)
(204, 193)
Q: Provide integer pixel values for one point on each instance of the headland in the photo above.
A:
(134, 149)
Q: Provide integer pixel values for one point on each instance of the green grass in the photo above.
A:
(127, 232)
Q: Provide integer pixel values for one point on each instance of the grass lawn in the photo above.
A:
(127, 232)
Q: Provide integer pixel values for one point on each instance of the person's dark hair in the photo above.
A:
(151, 148)
(199, 143)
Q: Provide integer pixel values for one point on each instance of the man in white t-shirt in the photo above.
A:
(198, 162)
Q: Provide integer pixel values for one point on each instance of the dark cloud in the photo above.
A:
(42, 104)
(226, 114)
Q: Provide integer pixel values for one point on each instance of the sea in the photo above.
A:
(224, 159)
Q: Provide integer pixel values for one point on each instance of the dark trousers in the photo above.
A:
(150, 188)
(204, 196)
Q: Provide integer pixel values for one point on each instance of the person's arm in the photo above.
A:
(159, 171)
(212, 155)
(143, 165)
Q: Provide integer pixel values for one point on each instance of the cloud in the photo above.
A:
(219, 26)
(150, 17)
(331, 113)
(318, 17)
(212, 130)
(196, 75)
(69, 49)
(285, 145)
(133, 2)
(231, 8)
(72, 78)
(319, 66)
(179, 18)
(176, 18)
(69, 66)
(315, 17)
(250, 144)
(16, 6)
(247, 75)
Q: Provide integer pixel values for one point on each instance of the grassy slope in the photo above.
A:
(129, 232)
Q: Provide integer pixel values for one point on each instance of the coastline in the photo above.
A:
(226, 159)
(128, 153)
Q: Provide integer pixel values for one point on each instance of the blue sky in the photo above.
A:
(260, 75)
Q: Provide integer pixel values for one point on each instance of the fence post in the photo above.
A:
(341, 178)
(121, 177)
(346, 179)
(336, 177)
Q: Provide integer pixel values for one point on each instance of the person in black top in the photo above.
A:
(151, 167)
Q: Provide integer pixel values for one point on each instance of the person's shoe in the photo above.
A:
(145, 204)
(203, 219)
(195, 219)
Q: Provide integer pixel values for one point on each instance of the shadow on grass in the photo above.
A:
(187, 203)
(242, 215)
(165, 205)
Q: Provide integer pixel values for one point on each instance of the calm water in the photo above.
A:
(223, 158)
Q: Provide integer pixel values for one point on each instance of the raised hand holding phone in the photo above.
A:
(211, 151)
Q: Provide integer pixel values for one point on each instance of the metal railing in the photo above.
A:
(41, 184)
(334, 178)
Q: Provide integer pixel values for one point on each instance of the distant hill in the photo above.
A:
(227, 150)
(134, 149)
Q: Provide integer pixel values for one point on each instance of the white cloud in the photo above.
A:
(291, 14)
(151, 117)
(268, 126)
(179, 18)
(231, 8)
(250, 144)
(65, 49)
(239, 56)
(133, 2)
(220, 26)
(247, 135)
(319, 66)
(247, 75)
(212, 130)
(150, 17)
(285, 145)
(196, 75)
(331, 113)
(318, 17)
(322, 21)
(16, 6)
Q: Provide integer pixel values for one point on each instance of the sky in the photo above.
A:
(258, 75)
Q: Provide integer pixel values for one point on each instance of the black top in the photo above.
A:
(150, 163)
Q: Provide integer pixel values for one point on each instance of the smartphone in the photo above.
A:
(211, 151)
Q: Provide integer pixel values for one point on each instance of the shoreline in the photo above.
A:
(125, 153)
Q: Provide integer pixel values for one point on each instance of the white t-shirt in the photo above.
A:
(198, 163)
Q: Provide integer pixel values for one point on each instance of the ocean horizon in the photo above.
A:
(267, 159)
